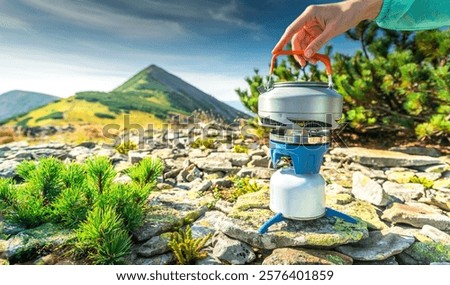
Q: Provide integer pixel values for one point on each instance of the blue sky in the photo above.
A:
(60, 47)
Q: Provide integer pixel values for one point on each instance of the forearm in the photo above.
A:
(369, 8)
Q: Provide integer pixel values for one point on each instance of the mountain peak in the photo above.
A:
(181, 95)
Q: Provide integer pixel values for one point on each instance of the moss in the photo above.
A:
(335, 259)
(258, 199)
(428, 252)
(360, 210)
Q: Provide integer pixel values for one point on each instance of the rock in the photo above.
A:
(164, 153)
(368, 190)
(168, 209)
(357, 209)
(27, 244)
(189, 174)
(439, 200)
(293, 256)
(418, 150)
(198, 153)
(416, 215)
(383, 158)
(233, 251)
(123, 179)
(440, 168)
(404, 192)
(433, 176)
(206, 224)
(223, 206)
(163, 259)
(135, 156)
(209, 260)
(440, 184)
(164, 186)
(372, 173)
(378, 246)
(388, 261)
(251, 211)
(154, 246)
(89, 145)
(105, 151)
(435, 234)
(172, 173)
(334, 189)
(259, 161)
(213, 165)
(400, 176)
(426, 253)
(256, 172)
(8, 168)
(203, 186)
(257, 152)
(80, 153)
(222, 183)
(236, 159)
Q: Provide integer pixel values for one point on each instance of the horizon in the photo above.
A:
(63, 47)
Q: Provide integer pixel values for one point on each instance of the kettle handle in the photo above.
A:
(320, 57)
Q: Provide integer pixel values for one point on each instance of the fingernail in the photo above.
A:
(308, 53)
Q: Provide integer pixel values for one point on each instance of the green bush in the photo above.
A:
(28, 207)
(427, 183)
(25, 169)
(74, 175)
(243, 186)
(82, 197)
(240, 148)
(146, 172)
(398, 82)
(6, 190)
(207, 143)
(47, 178)
(125, 147)
(71, 207)
(100, 173)
(104, 116)
(102, 237)
(128, 202)
(187, 249)
(51, 116)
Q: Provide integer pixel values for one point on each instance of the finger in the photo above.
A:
(297, 45)
(317, 43)
(292, 29)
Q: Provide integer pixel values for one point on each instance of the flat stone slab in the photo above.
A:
(416, 215)
(380, 245)
(293, 256)
(251, 211)
(168, 209)
(384, 158)
(362, 210)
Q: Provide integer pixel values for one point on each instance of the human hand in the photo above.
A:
(320, 23)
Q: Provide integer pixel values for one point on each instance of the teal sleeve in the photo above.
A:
(414, 14)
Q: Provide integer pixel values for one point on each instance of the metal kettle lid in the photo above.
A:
(300, 84)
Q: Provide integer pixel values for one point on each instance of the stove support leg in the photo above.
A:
(333, 213)
(274, 220)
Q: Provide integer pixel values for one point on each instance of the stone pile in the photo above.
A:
(400, 198)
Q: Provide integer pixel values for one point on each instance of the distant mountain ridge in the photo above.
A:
(18, 102)
(148, 97)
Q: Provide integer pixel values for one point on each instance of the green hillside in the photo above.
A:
(147, 98)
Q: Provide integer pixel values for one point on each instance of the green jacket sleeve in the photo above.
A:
(414, 14)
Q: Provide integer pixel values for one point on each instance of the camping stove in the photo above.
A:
(302, 116)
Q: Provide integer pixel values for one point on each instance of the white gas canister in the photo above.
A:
(297, 196)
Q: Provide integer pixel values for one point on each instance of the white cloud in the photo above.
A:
(91, 15)
(12, 23)
(229, 13)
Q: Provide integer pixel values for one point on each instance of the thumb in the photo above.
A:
(317, 43)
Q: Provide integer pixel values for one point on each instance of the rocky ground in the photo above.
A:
(399, 222)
